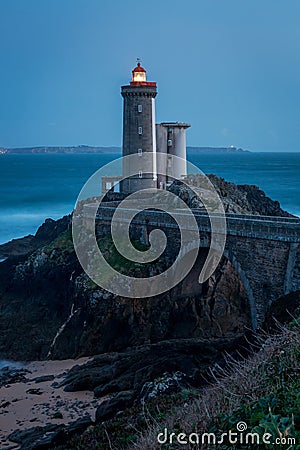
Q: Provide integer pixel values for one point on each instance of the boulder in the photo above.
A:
(10, 375)
(114, 404)
(166, 384)
(184, 359)
(43, 378)
(42, 438)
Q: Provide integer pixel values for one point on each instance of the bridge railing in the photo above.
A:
(258, 217)
(112, 205)
(265, 227)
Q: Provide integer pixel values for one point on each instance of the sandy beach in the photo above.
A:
(27, 404)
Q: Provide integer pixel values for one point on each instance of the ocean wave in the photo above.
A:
(11, 364)
(15, 225)
(42, 216)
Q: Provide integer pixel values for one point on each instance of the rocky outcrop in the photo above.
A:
(236, 198)
(50, 309)
(165, 384)
(106, 322)
(46, 233)
(43, 438)
(11, 375)
(122, 377)
(110, 406)
(35, 299)
(283, 310)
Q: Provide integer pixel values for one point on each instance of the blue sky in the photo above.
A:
(230, 68)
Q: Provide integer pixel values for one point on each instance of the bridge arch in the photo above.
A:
(205, 242)
(264, 251)
(236, 274)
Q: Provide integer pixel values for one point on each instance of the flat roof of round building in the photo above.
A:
(175, 124)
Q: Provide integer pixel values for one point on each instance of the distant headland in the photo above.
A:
(59, 149)
(108, 150)
(231, 149)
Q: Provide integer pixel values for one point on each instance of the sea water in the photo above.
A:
(34, 187)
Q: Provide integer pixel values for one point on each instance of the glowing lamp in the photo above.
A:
(139, 74)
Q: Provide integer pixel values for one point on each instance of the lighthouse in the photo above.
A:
(139, 132)
(154, 145)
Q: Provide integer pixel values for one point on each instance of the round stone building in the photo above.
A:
(139, 135)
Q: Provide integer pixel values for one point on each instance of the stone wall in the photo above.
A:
(132, 140)
(264, 251)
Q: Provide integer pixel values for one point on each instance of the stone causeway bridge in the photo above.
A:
(264, 250)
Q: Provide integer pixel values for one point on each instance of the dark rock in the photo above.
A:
(51, 229)
(114, 324)
(47, 440)
(120, 384)
(31, 435)
(43, 378)
(10, 447)
(43, 438)
(17, 247)
(4, 405)
(111, 406)
(57, 415)
(130, 370)
(34, 391)
(166, 384)
(11, 375)
(79, 425)
(45, 234)
(283, 310)
(236, 198)
(33, 291)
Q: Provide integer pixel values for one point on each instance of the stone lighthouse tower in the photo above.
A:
(139, 134)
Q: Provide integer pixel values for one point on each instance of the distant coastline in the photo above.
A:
(59, 149)
(105, 150)
(231, 149)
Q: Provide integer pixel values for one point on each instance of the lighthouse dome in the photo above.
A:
(139, 68)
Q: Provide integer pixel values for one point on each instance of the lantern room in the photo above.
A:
(139, 77)
(139, 74)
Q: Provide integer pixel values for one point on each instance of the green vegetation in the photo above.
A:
(63, 242)
(116, 260)
(277, 412)
(124, 430)
(262, 391)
